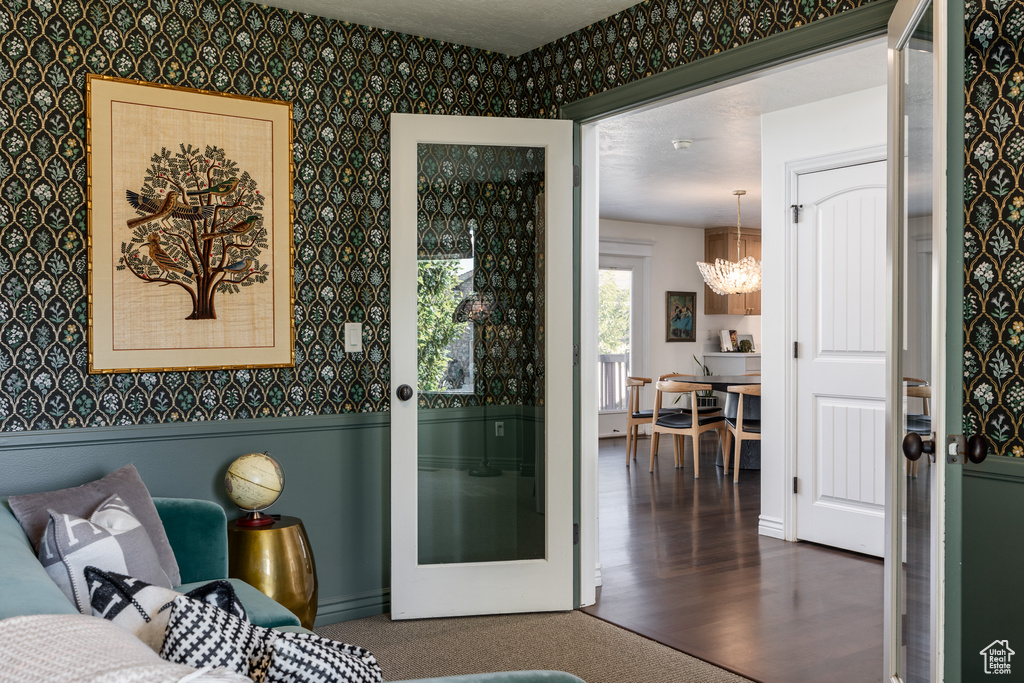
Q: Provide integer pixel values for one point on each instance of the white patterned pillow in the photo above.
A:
(111, 539)
(201, 635)
(143, 609)
(309, 658)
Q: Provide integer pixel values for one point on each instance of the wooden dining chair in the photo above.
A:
(741, 427)
(682, 424)
(634, 416)
(705, 410)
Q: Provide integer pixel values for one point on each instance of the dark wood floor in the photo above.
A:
(683, 564)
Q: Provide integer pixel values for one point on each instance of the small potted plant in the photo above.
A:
(707, 398)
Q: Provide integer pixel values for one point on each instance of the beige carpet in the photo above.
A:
(594, 650)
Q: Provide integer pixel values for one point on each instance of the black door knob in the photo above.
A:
(977, 448)
(914, 446)
(404, 392)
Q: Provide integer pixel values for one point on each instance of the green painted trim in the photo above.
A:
(1001, 468)
(863, 22)
(186, 431)
(355, 606)
(953, 628)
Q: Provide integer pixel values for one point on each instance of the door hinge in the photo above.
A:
(796, 349)
(575, 533)
(575, 175)
(796, 486)
(575, 354)
(796, 211)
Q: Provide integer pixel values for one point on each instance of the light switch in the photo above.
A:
(353, 337)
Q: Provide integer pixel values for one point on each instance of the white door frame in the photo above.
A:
(794, 170)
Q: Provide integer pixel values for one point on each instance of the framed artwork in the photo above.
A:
(680, 316)
(190, 229)
(746, 343)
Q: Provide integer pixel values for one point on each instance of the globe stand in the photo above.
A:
(254, 519)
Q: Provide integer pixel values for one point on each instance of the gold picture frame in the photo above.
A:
(190, 229)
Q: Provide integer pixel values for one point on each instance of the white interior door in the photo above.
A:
(841, 366)
(481, 366)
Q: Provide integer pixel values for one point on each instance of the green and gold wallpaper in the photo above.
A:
(994, 224)
(344, 81)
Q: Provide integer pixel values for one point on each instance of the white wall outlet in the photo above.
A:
(499, 429)
(353, 337)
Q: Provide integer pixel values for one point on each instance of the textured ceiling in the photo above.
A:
(510, 27)
(645, 179)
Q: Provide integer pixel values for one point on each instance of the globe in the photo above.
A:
(254, 482)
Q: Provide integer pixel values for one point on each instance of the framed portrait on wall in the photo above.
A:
(680, 316)
(190, 229)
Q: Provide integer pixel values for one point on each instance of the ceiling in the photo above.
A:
(645, 179)
(509, 27)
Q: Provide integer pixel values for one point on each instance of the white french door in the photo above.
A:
(481, 366)
(915, 479)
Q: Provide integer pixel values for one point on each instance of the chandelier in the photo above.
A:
(733, 277)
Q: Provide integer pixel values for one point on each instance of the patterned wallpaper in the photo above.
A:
(651, 37)
(994, 217)
(493, 193)
(344, 80)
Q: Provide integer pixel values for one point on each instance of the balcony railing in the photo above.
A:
(613, 368)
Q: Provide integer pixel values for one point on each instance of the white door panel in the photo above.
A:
(841, 370)
(482, 447)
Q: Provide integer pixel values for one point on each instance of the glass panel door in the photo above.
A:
(914, 549)
(480, 353)
(481, 433)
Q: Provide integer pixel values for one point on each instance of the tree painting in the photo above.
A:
(199, 227)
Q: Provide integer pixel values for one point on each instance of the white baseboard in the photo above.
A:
(597, 574)
(771, 526)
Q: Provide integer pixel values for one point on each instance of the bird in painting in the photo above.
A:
(237, 266)
(163, 209)
(218, 190)
(239, 228)
(162, 259)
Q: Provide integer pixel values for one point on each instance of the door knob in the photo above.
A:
(404, 392)
(977, 448)
(914, 446)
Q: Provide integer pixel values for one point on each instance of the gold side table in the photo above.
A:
(278, 560)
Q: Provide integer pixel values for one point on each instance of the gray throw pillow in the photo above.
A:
(31, 510)
(111, 539)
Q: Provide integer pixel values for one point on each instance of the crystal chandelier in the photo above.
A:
(729, 277)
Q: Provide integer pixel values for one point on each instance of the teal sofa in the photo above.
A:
(197, 531)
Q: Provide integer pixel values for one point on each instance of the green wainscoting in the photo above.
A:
(337, 471)
(993, 597)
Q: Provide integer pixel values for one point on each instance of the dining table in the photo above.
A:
(750, 452)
